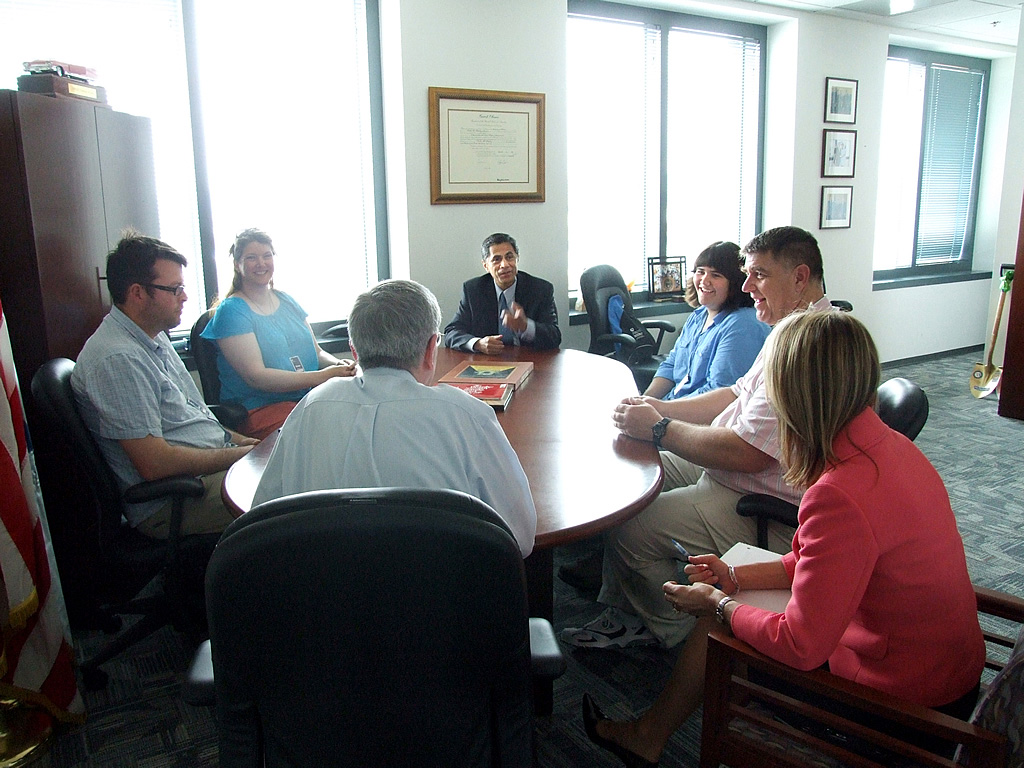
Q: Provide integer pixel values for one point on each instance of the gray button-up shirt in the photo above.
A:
(129, 386)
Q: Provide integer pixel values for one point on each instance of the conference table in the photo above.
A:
(584, 474)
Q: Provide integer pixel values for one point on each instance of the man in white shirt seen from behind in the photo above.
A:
(388, 427)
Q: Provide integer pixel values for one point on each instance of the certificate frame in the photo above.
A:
(840, 100)
(838, 153)
(836, 207)
(486, 146)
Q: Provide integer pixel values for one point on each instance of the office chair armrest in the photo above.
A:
(616, 338)
(176, 485)
(771, 507)
(546, 658)
(661, 325)
(340, 330)
(197, 686)
(231, 415)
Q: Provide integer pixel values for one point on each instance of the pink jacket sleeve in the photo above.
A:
(833, 559)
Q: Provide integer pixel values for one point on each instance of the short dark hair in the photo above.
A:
(792, 246)
(498, 238)
(132, 262)
(723, 256)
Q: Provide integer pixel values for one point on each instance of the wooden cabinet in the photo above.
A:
(73, 174)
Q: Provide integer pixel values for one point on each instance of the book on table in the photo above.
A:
(512, 373)
(496, 395)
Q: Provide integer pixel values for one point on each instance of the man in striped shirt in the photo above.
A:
(715, 448)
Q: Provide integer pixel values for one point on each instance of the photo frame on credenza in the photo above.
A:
(836, 207)
(840, 100)
(666, 278)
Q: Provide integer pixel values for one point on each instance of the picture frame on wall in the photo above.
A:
(836, 207)
(486, 146)
(666, 278)
(840, 100)
(838, 153)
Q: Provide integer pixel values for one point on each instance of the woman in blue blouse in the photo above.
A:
(722, 336)
(268, 357)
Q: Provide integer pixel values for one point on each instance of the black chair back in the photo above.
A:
(371, 627)
(903, 405)
(598, 284)
(204, 352)
(51, 390)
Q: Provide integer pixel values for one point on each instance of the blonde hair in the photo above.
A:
(821, 371)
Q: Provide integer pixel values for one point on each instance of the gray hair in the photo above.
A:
(389, 325)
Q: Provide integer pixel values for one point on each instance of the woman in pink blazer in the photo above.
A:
(880, 590)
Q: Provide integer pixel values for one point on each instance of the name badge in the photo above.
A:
(296, 363)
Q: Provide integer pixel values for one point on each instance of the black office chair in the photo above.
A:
(204, 352)
(168, 572)
(371, 627)
(901, 404)
(598, 284)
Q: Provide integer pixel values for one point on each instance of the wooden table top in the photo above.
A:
(585, 476)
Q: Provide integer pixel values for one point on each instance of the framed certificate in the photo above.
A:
(486, 146)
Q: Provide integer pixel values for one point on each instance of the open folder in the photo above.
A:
(769, 599)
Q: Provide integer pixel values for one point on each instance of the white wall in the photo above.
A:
(519, 45)
(503, 45)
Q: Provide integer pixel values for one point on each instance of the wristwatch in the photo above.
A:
(720, 610)
(658, 430)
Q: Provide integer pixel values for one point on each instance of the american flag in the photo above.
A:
(36, 660)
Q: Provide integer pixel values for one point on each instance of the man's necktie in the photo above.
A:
(508, 338)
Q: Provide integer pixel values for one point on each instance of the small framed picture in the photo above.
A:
(666, 278)
(836, 207)
(838, 153)
(840, 100)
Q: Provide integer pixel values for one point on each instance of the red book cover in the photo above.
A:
(497, 395)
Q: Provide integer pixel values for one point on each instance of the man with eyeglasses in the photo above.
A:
(139, 401)
(505, 307)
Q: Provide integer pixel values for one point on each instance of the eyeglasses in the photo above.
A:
(177, 290)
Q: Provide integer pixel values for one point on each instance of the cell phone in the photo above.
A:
(682, 551)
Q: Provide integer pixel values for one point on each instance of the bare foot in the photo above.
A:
(629, 735)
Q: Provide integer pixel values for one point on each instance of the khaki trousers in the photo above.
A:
(639, 556)
(206, 514)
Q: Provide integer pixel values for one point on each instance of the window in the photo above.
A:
(140, 60)
(929, 160)
(665, 126)
(286, 94)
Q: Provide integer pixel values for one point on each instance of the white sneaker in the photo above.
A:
(612, 629)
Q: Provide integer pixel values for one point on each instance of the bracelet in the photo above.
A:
(720, 610)
(732, 576)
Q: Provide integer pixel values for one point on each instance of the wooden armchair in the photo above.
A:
(746, 723)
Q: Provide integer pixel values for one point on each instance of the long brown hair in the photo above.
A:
(821, 371)
(251, 235)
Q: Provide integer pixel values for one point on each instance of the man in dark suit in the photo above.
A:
(505, 307)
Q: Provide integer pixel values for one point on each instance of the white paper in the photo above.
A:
(769, 599)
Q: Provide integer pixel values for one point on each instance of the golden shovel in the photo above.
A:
(985, 376)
